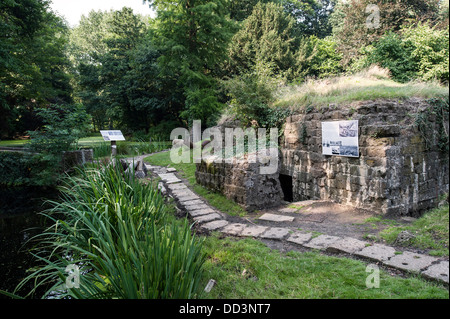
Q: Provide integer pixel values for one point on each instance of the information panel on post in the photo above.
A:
(340, 138)
(112, 136)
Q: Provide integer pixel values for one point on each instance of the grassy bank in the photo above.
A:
(187, 171)
(248, 269)
(430, 232)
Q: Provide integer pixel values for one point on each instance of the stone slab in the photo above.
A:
(215, 225)
(253, 231)
(173, 181)
(192, 202)
(377, 252)
(275, 233)
(187, 198)
(207, 218)
(276, 218)
(182, 192)
(438, 271)
(299, 238)
(171, 170)
(191, 208)
(410, 261)
(177, 186)
(322, 242)
(347, 245)
(200, 212)
(233, 229)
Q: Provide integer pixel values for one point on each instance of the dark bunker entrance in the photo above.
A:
(286, 186)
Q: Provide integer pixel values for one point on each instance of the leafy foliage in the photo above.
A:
(417, 52)
(116, 230)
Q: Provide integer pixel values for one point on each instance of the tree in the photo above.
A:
(104, 47)
(33, 66)
(352, 32)
(192, 36)
(311, 16)
(267, 35)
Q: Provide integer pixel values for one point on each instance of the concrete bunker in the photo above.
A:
(398, 172)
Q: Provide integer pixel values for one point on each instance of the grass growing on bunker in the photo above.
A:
(373, 83)
(247, 269)
(119, 234)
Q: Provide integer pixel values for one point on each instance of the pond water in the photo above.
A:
(19, 221)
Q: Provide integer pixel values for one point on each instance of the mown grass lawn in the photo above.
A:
(247, 269)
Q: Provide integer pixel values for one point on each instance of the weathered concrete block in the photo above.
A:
(275, 233)
(321, 242)
(299, 238)
(214, 225)
(347, 245)
(377, 252)
(253, 231)
(410, 261)
(276, 218)
(207, 218)
(200, 212)
(233, 229)
(439, 271)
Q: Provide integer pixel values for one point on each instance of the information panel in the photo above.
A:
(112, 136)
(340, 138)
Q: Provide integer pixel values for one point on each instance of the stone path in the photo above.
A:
(209, 219)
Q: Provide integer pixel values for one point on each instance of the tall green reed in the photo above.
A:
(118, 232)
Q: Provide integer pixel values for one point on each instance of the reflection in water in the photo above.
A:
(19, 221)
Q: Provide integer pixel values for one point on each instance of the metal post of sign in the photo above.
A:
(113, 137)
(113, 148)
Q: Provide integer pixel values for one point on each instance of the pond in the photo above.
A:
(19, 221)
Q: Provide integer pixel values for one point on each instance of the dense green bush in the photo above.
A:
(25, 169)
(318, 58)
(418, 52)
(252, 95)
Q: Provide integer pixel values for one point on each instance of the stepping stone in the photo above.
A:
(191, 208)
(410, 261)
(347, 245)
(177, 186)
(275, 233)
(214, 225)
(171, 170)
(187, 198)
(182, 192)
(192, 202)
(233, 229)
(200, 212)
(169, 178)
(276, 218)
(437, 271)
(377, 252)
(253, 231)
(299, 238)
(207, 218)
(322, 242)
